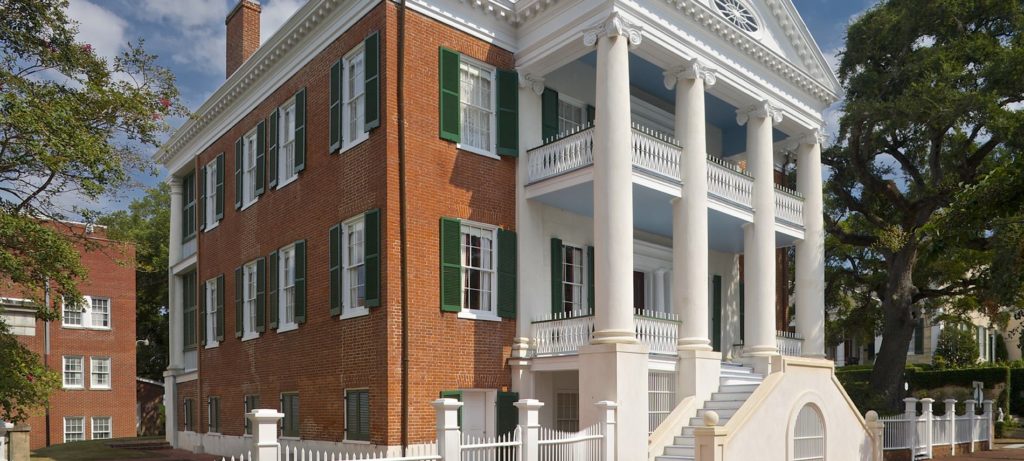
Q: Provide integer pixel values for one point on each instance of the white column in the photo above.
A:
(613, 184)
(659, 290)
(760, 259)
(810, 252)
(690, 211)
(174, 313)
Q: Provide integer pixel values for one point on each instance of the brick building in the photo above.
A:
(388, 202)
(92, 347)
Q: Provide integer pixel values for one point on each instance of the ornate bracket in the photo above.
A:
(693, 69)
(763, 109)
(532, 82)
(614, 26)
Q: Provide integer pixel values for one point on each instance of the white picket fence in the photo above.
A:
(922, 432)
(527, 442)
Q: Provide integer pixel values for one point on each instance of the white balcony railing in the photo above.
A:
(562, 155)
(727, 182)
(658, 330)
(655, 152)
(789, 344)
(789, 206)
(565, 333)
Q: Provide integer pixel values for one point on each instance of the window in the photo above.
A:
(354, 89)
(101, 427)
(213, 414)
(72, 313)
(286, 135)
(354, 258)
(738, 13)
(212, 191)
(567, 411)
(252, 402)
(357, 415)
(476, 99)
(89, 312)
(661, 397)
(478, 257)
(573, 282)
(249, 297)
(101, 312)
(74, 429)
(74, 372)
(188, 297)
(286, 273)
(100, 372)
(211, 312)
(188, 414)
(290, 408)
(571, 116)
(188, 208)
(808, 435)
(249, 169)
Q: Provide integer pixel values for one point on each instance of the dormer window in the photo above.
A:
(738, 13)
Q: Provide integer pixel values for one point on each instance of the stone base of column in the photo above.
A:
(171, 406)
(614, 337)
(694, 344)
(697, 374)
(617, 373)
(761, 363)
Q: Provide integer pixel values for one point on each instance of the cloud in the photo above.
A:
(275, 14)
(187, 13)
(99, 27)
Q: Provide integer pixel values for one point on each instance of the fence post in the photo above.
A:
(970, 408)
(607, 416)
(877, 430)
(986, 416)
(449, 434)
(910, 414)
(929, 419)
(709, 440)
(529, 428)
(264, 423)
(951, 415)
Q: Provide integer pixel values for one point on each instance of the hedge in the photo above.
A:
(1017, 396)
(855, 381)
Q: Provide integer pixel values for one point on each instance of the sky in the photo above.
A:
(187, 36)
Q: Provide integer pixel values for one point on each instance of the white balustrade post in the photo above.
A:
(926, 415)
(4, 426)
(449, 435)
(877, 430)
(970, 411)
(809, 285)
(951, 417)
(529, 428)
(986, 420)
(910, 414)
(264, 424)
(709, 440)
(606, 418)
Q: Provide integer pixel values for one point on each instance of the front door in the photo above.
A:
(716, 313)
(639, 287)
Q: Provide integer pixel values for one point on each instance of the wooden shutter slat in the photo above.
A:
(239, 292)
(451, 265)
(371, 250)
(450, 111)
(273, 128)
(273, 308)
(507, 415)
(335, 107)
(371, 74)
(300, 281)
(238, 173)
(557, 301)
(220, 187)
(261, 158)
(548, 114)
(508, 112)
(334, 269)
(300, 130)
(220, 308)
(261, 294)
(506, 274)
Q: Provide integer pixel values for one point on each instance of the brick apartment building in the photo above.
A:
(93, 347)
(388, 202)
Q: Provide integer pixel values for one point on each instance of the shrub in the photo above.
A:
(1001, 353)
(957, 348)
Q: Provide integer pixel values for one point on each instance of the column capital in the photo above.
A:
(532, 82)
(614, 26)
(761, 109)
(693, 69)
(175, 183)
(812, 137)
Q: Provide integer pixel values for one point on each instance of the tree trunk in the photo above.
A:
(898, 323)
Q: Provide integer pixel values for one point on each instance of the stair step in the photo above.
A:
(684, 440)
(719, 405)
(673, 458)
(699, 422)
(737, 388)
(679, 450)
(722, 414)
(730, 396)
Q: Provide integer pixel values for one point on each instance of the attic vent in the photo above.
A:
(738, 13)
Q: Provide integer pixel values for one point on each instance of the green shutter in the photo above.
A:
(202, 316)
(202, 197)
(548, 114)
(357, 415)
(448, 76)
(300, 130)
(220, 186)
(371, 249)
(261, 295)
(506, 274)
(300, 281)
(919, 336)
(507, 414)
(334, 269)
(457, 395)
(557, 300)
(590, 114)
(743, 313)
(716, 312)
(590, 278)
(238, 173)
(220, 307)
(335, 107)
(273, 125)
(508, 112)
(239, 280)
(261, 158)
(451, 265)
(272, 296)
(371, 73)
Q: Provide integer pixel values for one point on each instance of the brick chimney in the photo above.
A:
(243, 39)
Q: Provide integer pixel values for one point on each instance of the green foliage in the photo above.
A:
(1001, 353)
(956, 348)
(1017, 396)
(931, 383)
(25, 383)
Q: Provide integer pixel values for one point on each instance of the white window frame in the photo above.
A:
(344, 413)
(93, 311)
(349, 308)
(576, 104)
(286, 172)
(479, 314)
(580, 306)
(81, 425)
(285, 258)
(249, 149)
(492, 149)
(210, 292)
(92, 373)
(249, 284)
(109, 431)
(794, 436)
(65, 360)
(348, 100)
(211, 196)
(85, 315)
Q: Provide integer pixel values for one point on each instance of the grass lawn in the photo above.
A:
(91, 450)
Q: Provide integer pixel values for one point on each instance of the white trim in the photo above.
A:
(248, 324)
(477, 314)
(363, 135)
(211, 221)
(64, 430)
(282, 307)
(64, 371)
(210, 295)
(492, 152)
(109, 431)
(92, 371)
(248, 200)
(282, 161)
(348, 310)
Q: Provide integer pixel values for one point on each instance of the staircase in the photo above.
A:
(736, 383)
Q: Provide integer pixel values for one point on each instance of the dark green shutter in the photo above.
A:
(507, 414)
(457, 395)
(557, 295)
(548, 114)
(371, 74)
(743, 313)
(335, 107)
(261, 294)
(261, 158)
(450, 111)
(919, 336)
(220, 308)
(590, 278)
(202, 197)
(239, 280)
(716, 312)
(300, 130)
(220, 187)
(506, 274)
(238, 173)
(272, 285)
(451, 265)
(202, 316)
(590, 114)
(334, 269)
(371, 251)
(273, 125)
(508, 112)
(300, 281)
(357, 415)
